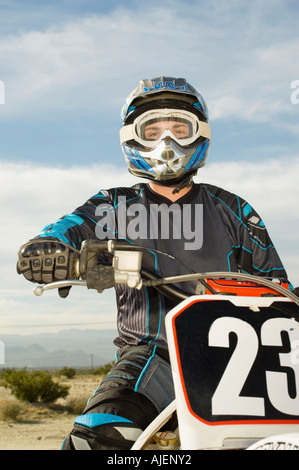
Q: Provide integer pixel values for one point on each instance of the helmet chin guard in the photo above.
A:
(165, 135)
(168, 161)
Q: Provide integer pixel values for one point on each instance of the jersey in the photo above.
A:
(208, 229)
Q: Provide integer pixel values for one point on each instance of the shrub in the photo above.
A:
(33, 386)
(76, 404)
(68, 372)
(9, 409)
(103, 370)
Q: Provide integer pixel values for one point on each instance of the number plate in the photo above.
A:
(238, 365)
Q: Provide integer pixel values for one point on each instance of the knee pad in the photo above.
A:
(117, 413)
(102, 431)
(111, 423)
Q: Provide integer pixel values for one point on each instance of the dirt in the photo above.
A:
(39, 426)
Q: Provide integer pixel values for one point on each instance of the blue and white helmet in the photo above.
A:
(165, 134)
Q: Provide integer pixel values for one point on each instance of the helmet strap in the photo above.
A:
(184, 183)
(179, 183)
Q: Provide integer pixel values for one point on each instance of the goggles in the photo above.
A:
(151, 127)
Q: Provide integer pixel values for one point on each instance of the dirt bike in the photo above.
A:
(234, 353)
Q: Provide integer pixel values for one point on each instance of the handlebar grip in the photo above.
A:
(90, 250)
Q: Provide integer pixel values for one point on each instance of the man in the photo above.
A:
(165, 138)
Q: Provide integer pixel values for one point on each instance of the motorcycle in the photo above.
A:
(234, 353)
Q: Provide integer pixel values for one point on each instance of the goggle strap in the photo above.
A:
(126, 133)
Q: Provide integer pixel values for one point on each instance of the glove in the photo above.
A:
(44, 260)
(296, 291)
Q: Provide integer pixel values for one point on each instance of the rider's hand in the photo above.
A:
(296, 291)
(45, 260)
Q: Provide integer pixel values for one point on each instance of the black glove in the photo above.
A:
(296, 291)
(45, 260)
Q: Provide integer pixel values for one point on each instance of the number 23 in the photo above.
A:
(226, 399)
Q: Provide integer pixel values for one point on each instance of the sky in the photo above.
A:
(66, 68)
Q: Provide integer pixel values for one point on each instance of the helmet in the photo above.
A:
(165, 134)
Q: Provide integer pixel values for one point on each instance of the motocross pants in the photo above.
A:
(137, 388)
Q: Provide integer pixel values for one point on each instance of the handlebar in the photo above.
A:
(127, 269)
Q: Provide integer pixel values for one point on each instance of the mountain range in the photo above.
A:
(67, 348)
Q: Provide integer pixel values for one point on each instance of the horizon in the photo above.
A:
(66, 70)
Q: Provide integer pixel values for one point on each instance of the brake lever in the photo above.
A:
(39, 290)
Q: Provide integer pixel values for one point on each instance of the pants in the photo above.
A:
(135, 391)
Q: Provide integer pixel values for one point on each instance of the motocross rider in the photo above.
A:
(165, 138)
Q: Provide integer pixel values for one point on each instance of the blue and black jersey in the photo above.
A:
(208, 229)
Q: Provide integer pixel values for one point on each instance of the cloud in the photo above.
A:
(269, 184)
(33, 196)
(271, 187)
(241, 55)
(244, 67)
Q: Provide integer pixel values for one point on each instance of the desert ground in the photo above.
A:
(44, 427)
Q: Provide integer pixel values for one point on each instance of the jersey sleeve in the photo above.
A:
(81, 224)
(264, 257)
(251, 244)
(254, 250)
